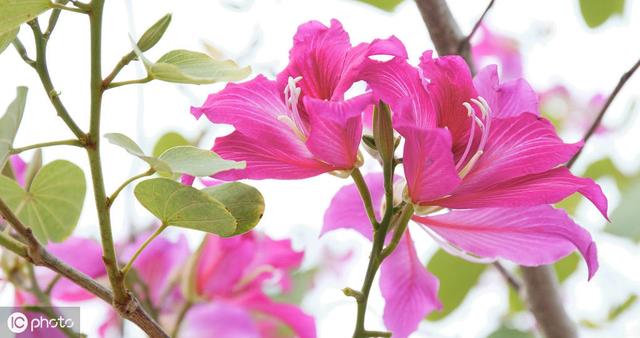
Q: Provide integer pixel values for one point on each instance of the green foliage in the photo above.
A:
(505, 332)
(169, 140)
(7, 37)
(184, 206)
(151, 37)
(618, 310)
(244, 202)
(197, 162)
(385, 5)
(183, 66)
(457, 277)
(567, 266)
(624, 219)
(178, 160)
(15, 12)
(51, 206)
(10, 122)
(597, 12)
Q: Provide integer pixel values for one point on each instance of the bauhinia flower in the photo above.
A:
(489, 48)
(481, 168)
(301, 124)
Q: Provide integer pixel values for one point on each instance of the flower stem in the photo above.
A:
(141, 248)
(365, 194)
(115, 194)
(124, 83)
(13, 245)
(183, 313)
(73, 142)
(405, 217)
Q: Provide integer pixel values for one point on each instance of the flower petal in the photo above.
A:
(19, 168)
(219, 319)
(529, 236)
(410, 291)
(545, 188)
(336, 130)
(347, 210)
(302, 324)
(428, 163)
(507, 99)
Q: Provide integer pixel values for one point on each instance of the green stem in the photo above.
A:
(17, 44)
(183, 312)
(124, 83)
(123, 62)
(405, 217)
(12, 244)
(73, 142)
(45, 78)
(365, 194)
(65, 8)
(115, 194)
(141, 248)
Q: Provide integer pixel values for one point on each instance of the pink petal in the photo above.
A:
(82, 254)
(275, 257)
(529, 236)
(450, 84)
(302, 324)
(507, 99)
(336, 129)
(410, 291)
(492, 46)
(399, 84)
(19, 168)
(428, 163)
(545, 188)
(267, 160)
(518, 146)
(219, 319)
(347, 211)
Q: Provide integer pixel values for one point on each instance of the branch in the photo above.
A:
(39, 255)
(443, 29)
(467, 40)
(596, 123)
(508, 277)
(74, 143)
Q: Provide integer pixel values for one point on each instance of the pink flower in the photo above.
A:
(491, 48)
(564, 107)
(19, 168)
(300, 125)
(231, 273)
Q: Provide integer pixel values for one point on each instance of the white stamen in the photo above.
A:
(291, 97)
(485, 127)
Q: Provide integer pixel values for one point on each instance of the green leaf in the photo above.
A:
(183, 66)
(151, 37)
(184, 206)
(10, 122)
(7, 38)
(245, 203)
(132, 148)
(505, 332)
(618, 310)
(605, 167)
(197, 162)
(385, 5)
(567, 266)
(457, 277)
(169, 140)
(596, 12)
(624, 219)
(15, 12)
(53, 203)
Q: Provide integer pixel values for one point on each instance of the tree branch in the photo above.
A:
(467, 40)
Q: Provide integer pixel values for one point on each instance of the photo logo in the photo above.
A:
(17, 322)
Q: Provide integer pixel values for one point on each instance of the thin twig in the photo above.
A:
(596, 123)
(465, 42)
(73, 142)
(510, 279)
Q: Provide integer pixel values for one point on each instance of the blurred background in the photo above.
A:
(572, 60)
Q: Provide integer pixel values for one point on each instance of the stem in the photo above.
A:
(365, 194)
(45, 78)
(115, 194)
(17, 44)
(12, 244)
(141, 248)
(73, 142)
(124, 83)
(465, 42)
(508, 277)
(405, 217)
(123, 62)
(183, 313)
(65, 8)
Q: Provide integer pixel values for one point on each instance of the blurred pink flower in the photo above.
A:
(570, 111)
(19, 168)
(491, 48)
(300, 125)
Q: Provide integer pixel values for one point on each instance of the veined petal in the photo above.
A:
(266, 159)
(399, 84)
(507, 99)
(428, 163)
(347, 210)
(518, 146)
(410, 291)
(336, 129)
(529, 236)
(219, 319)
(545, 188)
(292, 316)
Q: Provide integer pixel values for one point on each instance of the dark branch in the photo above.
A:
(467, 40)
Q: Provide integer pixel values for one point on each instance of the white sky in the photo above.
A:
(558, 48)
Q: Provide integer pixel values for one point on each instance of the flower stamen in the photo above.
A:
(293, 119)
(485, 126)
